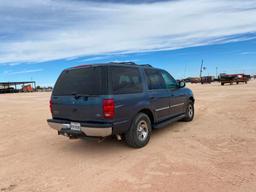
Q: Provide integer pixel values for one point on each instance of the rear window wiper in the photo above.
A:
(78, 95)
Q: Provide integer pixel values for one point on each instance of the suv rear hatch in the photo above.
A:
(78, 94)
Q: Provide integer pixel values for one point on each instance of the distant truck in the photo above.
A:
(207, 79)
(233, 78)
(27, 88)
(193, 80)
(202, 80)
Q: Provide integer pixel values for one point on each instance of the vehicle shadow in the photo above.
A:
(111, 145)
(169, 129)
(96, 148)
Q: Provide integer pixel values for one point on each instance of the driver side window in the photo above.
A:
(170, 82)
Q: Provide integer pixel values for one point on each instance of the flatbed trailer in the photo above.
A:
(233, 78)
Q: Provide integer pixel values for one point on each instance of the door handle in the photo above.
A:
(152, 98)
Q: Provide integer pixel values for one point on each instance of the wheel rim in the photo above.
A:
(190, 111)
(142, 130)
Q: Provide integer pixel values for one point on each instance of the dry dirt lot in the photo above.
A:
(215, 152)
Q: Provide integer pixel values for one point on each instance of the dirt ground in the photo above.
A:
(215, 152)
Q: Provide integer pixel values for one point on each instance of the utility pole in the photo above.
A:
(201, 70)
(216, 72)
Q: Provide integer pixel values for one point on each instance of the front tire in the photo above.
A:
(139, 133)
(190, 111)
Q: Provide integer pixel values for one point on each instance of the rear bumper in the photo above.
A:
(86, 129)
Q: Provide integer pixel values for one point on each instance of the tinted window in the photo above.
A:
(86, 81)
(125, 80)
(155, 79)
(169, 80)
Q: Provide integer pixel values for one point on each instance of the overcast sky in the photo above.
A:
(40, 30)
(36, 31)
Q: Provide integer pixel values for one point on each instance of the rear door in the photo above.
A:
(127, 90)
(77, 95)
(158, 94)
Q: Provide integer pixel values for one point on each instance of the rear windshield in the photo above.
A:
(86, 81)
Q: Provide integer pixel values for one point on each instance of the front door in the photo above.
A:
(177, 96)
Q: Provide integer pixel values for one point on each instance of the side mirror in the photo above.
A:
(181, 84)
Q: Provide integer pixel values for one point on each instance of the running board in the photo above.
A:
(172, 120)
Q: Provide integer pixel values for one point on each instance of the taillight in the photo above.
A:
(50, 105)
(108, 108)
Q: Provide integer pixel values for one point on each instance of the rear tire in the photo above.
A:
(190, 111)
(139, 133)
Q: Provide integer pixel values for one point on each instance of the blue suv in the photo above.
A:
(122, 99)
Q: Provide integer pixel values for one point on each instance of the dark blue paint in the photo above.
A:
(127, 106)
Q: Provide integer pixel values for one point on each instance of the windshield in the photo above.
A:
(83, 81)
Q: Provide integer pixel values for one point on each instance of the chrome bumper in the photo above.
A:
(88, 131)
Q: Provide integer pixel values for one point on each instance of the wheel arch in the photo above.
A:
(149, 113)
(191, 98)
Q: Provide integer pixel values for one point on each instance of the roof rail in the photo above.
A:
(146, 65)
(125, 63)
(131, 63)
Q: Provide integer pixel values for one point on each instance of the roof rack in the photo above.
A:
(146, 65)
(125, 63)
(131, 63)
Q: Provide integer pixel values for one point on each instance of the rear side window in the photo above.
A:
(125, 80)
(155, 79)
(87, 81)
